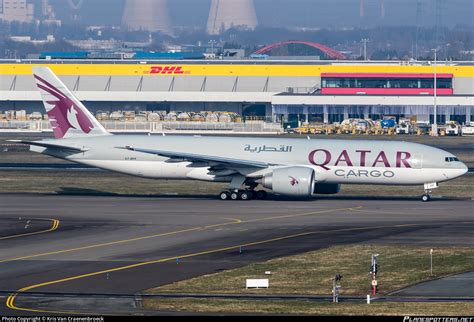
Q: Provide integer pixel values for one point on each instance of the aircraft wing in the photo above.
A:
(49, 145)
(203, 158)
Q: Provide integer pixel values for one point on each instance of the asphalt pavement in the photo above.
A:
(125, 245)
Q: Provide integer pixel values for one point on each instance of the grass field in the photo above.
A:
(311, 308)
(311, 274)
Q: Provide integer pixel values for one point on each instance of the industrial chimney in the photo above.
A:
(150, 15)
(225, 14)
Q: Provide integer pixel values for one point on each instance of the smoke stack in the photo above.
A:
(225, 14)
(150, 15)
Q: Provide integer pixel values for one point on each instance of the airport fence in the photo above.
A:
(117, 126)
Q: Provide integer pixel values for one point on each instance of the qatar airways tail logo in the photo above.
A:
(166, 70)
(64, 114)
(324, 158)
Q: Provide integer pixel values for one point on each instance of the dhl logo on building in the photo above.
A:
(167, 70)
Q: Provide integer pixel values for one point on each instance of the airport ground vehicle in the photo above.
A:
(453, 128)
(404, 128)
(467, 129)
(422, 128)
(388, 123)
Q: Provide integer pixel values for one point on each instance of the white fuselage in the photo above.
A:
(334, 161)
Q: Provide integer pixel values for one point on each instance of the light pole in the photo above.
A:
(373, 271)
(431, 262)
(434, 126)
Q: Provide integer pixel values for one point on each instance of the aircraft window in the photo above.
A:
(451, 159)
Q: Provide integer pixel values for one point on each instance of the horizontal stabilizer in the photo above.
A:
(51, 145)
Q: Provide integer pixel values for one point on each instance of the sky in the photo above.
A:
(298, 13)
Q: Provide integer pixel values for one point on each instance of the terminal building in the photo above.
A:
(281, 91)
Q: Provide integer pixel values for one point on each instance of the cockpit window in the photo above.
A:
(451, 159)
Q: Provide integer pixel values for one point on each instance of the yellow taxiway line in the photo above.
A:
(201, 228)
(10, 300)
(54, 226)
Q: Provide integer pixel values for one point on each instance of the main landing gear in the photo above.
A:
(236, 192)
(243, 194)
(427, 195)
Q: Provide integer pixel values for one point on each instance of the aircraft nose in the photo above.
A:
(464, 169)
(461, 169)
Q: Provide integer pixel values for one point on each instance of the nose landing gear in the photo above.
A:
(427, 195)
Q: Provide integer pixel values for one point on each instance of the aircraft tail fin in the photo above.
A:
(67, 115)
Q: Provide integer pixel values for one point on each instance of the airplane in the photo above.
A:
(290, 167)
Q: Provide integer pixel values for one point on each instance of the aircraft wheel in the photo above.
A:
(244, 195)
(234, 196)
(252, 194)
(425, 198)
(261, 194)
(224, 195)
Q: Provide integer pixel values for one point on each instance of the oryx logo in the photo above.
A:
(293, 181)
(64, 114)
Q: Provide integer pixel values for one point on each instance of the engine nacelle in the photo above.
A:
(291, 181)
(327, 188)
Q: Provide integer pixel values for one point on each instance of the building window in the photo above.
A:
(386, 82)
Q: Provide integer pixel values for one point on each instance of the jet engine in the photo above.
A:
(291, 181)
(327, 188)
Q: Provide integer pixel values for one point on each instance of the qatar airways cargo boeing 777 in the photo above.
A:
(290, 167)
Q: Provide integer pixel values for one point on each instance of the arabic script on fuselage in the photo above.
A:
(265, 148)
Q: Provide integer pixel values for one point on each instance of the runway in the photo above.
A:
(124, 245)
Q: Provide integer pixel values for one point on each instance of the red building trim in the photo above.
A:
(385, 91)
(384, 75)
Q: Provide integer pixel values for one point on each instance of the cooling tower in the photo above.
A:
(150, 15)
(225, 14)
